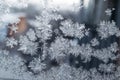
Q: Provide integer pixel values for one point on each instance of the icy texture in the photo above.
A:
(55, 47)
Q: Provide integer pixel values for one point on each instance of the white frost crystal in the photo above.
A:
(108, 12)
(107, 68)
(31, 35)
(73, 29)
(14, 28)
(107, 29)
(59, 47)
(11, 42)
(36, 65)
(27, 46)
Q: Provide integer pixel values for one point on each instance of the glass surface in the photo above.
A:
(59, 39)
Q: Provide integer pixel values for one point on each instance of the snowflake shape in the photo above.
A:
(11, 42)
(37, 65)
(27, 46)
(73, 29)
(108, 12)
(14, 28)
(107, 29)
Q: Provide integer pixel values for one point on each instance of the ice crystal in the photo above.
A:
(107, 29)
(64, 73)
(14, 65)
(31, 35)
(104, 55)
(59, 47)
(80, 73)
(14, 28)
(11, 42)
(107, 68)
(73, 29)
(27, 46)
(108, 12)
(37, 65)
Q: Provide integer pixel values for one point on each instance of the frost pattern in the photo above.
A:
(107, 29)
(31, 35)
(37, 65)
(59, 47)
(55, 47)
(14, 28)
(74, 30)
(11, 42)
(27, 46)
